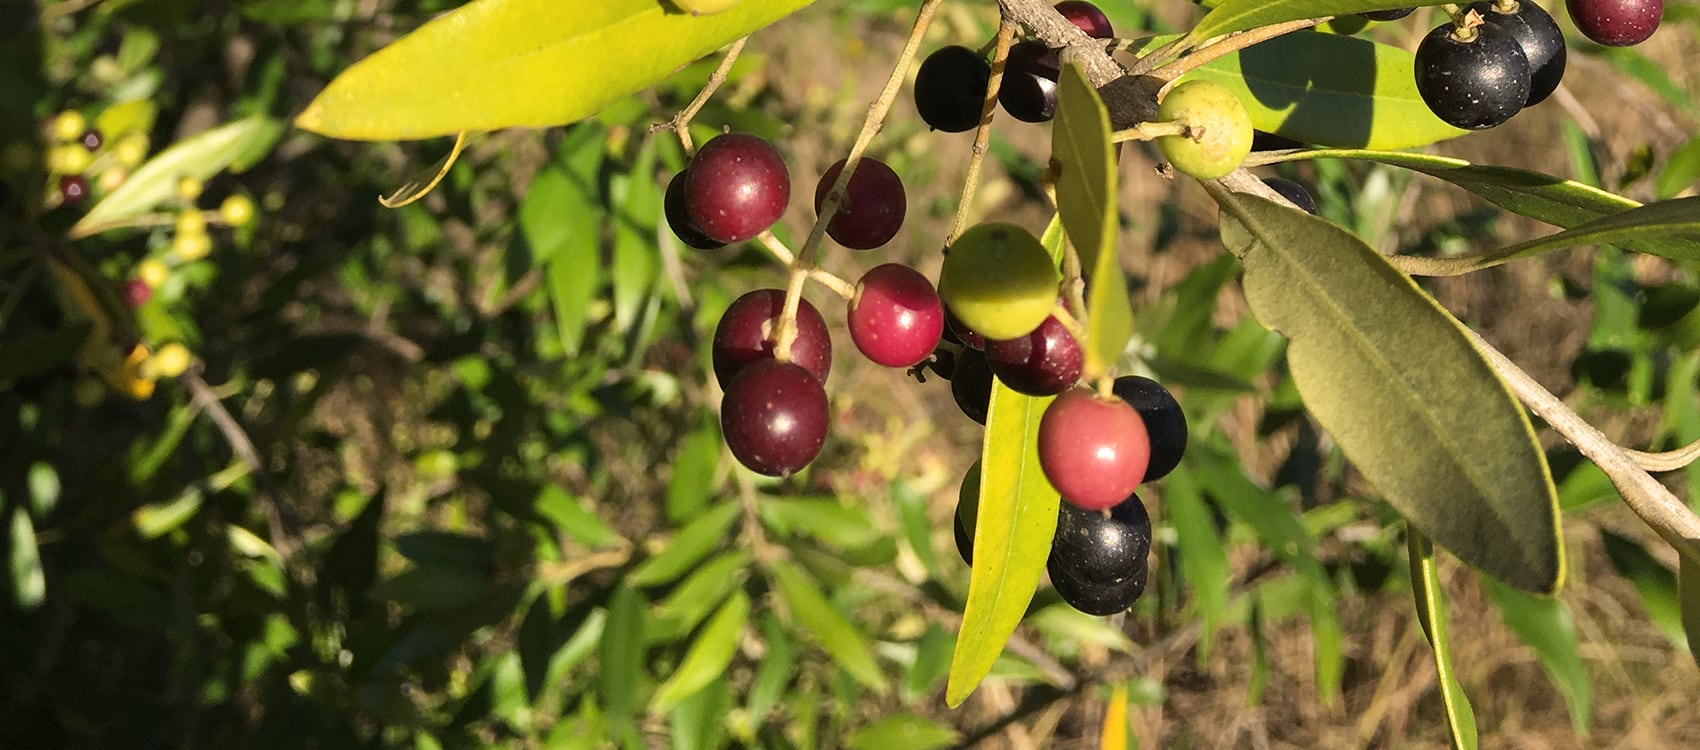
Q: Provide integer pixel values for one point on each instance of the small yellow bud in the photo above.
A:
(189, 187)
(70, 158)
(237, 210)
(131, 150)
(69, 125)
(171, 360)
(152, 272)
(191, 221)
(191, 247)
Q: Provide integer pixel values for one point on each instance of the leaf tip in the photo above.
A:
(312, 119)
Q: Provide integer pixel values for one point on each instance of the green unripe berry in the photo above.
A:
(1220, 128)
(999, 280)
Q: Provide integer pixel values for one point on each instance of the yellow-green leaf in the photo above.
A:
(1410, 401)
(1431, 613)
(1012, 538)
(710, 654)
(1086, 200)
(522, 63)
(1239, 15)
(200, 156)
(1679, 217)
(1330, 90)
(811, 613)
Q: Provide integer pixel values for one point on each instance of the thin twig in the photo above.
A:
(681, 122)
(285, 533)
(983, 133)
(1668, 460)
(1229, 45)
(1149, 131)
(831, 281)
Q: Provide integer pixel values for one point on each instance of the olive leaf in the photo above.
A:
(1086, 201)
(1431, 612)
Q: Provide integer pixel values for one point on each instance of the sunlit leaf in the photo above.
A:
(1239, 15)
(29, 583)
(1330, 90)
(691, 600)
(622, 654)
(1086, 201)
(522, 63)
(1676, 218)
(1431, 613)
(1410, 401)
(1012, 538)
(690, 545)
(710, 653)
(903, 731)
(155, 182)
(814, 615)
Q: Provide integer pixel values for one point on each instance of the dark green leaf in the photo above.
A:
(1012, 538)
(710, 654)
(692, 483)
(636, 264)
(1431, 612)
(1545, 625)
(905, 731)
(486, 65)
(1086, 201)
(1368, 350)
(692, 544)
(40, 353)
(445, 548)
(433, 586)
(1203, 556)
(811, 613)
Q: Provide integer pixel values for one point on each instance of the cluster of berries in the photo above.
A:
(950, 85)
(78, 152)
(1497, 58)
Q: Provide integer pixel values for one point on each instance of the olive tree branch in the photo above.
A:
(982, 133)
(680, 124)
(1228, 45)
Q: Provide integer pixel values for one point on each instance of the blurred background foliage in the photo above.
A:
(450, 475)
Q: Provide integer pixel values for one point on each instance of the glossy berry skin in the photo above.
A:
(950, 88)
(961, 332)
(73, 189)
(1102, 546)
(971, 385)
(1165, 423)
(1387, 15)
(774, 417)
(745, 335)
(1042, 363)
(873, 207)
(1087, 17)
(1028, 91)
(967, 513)
(1617, 23)
(736, 187)
(1097, 598)
(1542, 42)
(999, 280)
(1473, 84)
(1294, 192)
(1221, 129)
(895, 318)
(1094, 451)
(673, 206)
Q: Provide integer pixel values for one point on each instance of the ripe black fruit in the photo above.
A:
(1029, 88)
(1102, 546)
(1165, 423)
(967, 513)
(950, 88)
(1294, 192)
(1475, 83)
(971, 385)
(1387, 15)
(1099, 599)
(1541, 39)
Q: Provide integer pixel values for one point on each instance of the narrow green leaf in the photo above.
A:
(29, 583)
(692, 544)
(710, 654)
(1676, 218)
(200, 156)
(1330, 90)
(1688, 589)
(906, 731)
(433, 586)
(636, 264)
(845, 527)
(691, 601)
(774, 675)
(1431, 613)
(1681, 171)
(488, 65)
(447, 548)
(560, 220)
(1203, 555)
(1392, 377)
(1545, 625)
(570, 516)
(917, 530)
(1239, 15)
(622, 654)
(811, 613)
(1012, 538)
(692, 483)
(159, 519)
(1652, 580)
(40, 353)
(1086, 201)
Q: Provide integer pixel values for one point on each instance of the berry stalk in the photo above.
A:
(680, 124)
(982, 134)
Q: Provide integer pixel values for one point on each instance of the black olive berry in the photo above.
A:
(950, 88)
(1100, 599)
(1102, 546)
(1029, 88)
(1542, 42)
(1386, 15)
(1165, 423)
(971, 384)
(1474, 83)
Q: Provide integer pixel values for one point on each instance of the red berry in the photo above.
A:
(137, 292)
(1617, 23)
(1094, 451)
(873, 208)
(736, 187)
(896, 317)
(1087, 17)
(73, 189)
(1042, 363)
(774, 417)
(745, 335)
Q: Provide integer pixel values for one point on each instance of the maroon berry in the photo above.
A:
(774, 417)
(896, 317)
(1617, 23)
(1094, 451)
(90, 139)
(736, 187)
(1042, 363)
(73, 189)
(680, 221)
(1029, 89)
(873, 206)
(137, 292)
(745, 335)
(1087, 17)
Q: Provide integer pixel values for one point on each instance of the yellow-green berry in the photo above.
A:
(170, 361)
(191, 246)
(152, 272)
(1220, 131)
(68, 126)
(191, 221)
(237, 210)
(69, 158)
(131, 150)
(999, 280)
(189, 187)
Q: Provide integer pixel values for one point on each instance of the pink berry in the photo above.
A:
(1093, 451)
(896, 317)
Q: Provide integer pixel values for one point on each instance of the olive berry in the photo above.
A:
(774, 417)
(999, 280)
(745, 334)
(1220, 131)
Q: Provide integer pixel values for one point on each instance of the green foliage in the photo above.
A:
(1431, 614)
(1086, 201)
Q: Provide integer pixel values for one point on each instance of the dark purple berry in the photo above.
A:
(1617, 23)
(745, 335)
(1474, 83)
(1165, 423)
(1294, 192)
(1099, 599)
(1102, 546)
(137, 292)
(774, 417)
(1542, 42)
(1087, 17)
(971, 385)
(1042, 363)
(736, 187)
(73, 189)
(1094, 451)
(896, 317)
(90, 139)
(873, 207)
(1387, 15)
(1029, 88)
(680, 221)
(950, 88)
